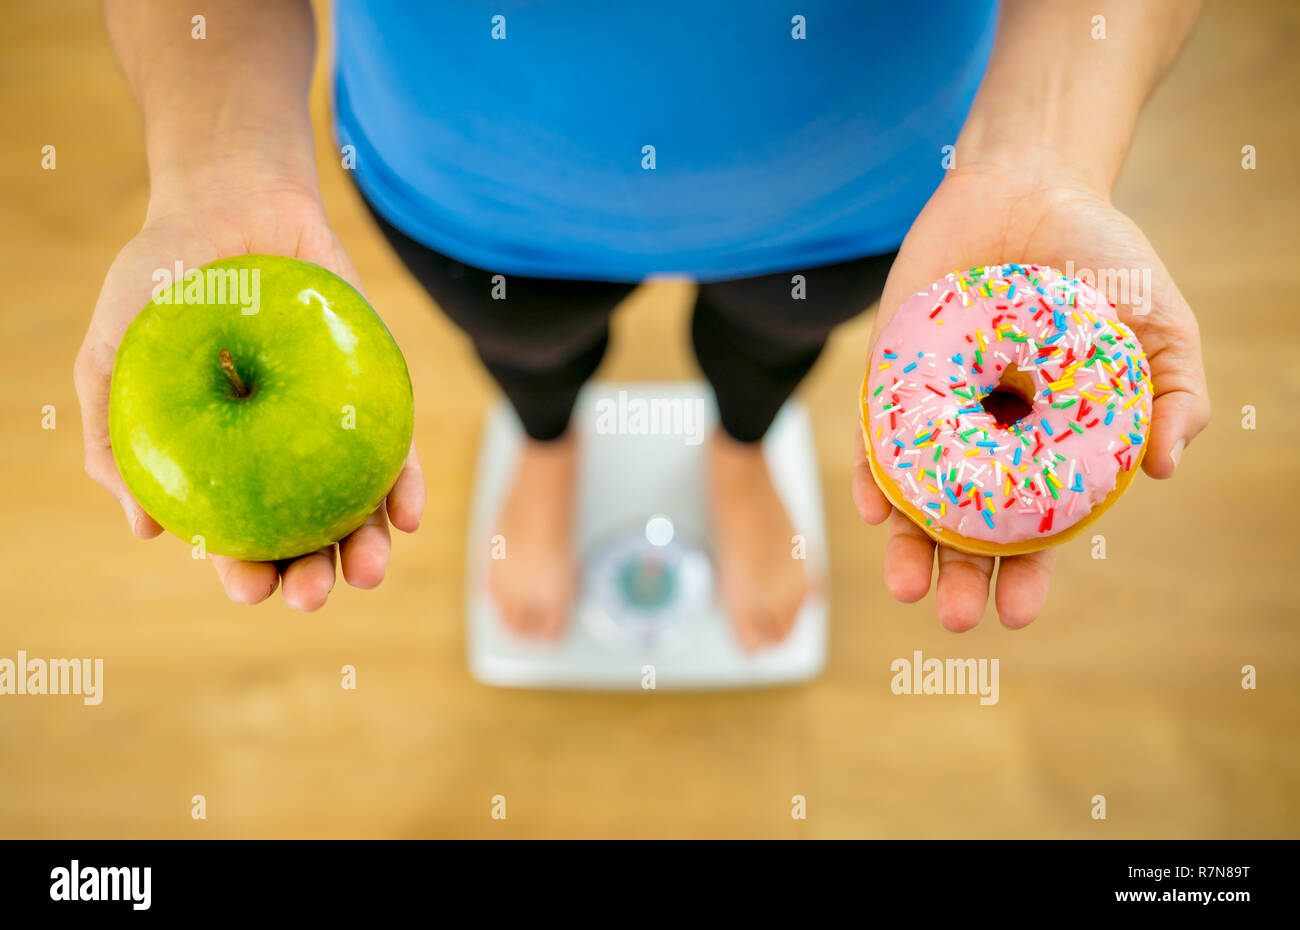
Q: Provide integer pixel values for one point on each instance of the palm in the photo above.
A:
(277, 223)
(987, 218)
(289, 225)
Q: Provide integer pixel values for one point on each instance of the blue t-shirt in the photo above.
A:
(526, 153)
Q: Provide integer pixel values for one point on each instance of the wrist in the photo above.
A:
(1060, 98)
(232, 149)
(219, 180)
(1041, 147)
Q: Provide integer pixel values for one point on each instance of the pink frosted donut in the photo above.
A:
(1005, 408)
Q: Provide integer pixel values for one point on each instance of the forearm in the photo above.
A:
(1056, 97)
(232, 104)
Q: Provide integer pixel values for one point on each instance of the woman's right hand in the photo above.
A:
(195, 228)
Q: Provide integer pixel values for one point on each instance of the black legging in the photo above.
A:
(753, 339)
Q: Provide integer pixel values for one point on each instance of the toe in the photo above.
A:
(552, 622)
(746, 624)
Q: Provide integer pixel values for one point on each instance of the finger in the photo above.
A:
(1023, 581)
(103, 470)
(963, 588)
(1181, 408)
(1176, 418)
(364, 552)
(872, 505)
(309, 580)
(406, 499)
(92, 375)
(246, 582)
(344, 267)
(321, 246)
(909, 560)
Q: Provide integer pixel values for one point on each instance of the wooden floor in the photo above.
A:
(1135, 696)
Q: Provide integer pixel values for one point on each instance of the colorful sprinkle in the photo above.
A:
(1058, 331)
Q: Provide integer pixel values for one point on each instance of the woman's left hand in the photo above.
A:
(988, 216)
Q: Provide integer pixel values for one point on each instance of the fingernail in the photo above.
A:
(130, 514)
(1176, 453)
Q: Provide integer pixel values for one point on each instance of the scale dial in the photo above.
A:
(646, 587)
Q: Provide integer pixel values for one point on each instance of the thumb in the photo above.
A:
(1181, 409)
(1175, 420)
(93, 375)
(872, 505)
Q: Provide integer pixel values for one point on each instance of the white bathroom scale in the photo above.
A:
(646, 609)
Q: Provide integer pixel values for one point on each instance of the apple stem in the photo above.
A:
(228, 366)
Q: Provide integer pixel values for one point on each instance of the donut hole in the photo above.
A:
(1012, 398)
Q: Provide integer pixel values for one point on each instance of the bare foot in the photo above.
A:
(760, 582)
(533, 584)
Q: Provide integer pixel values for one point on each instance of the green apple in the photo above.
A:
(261, 404)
